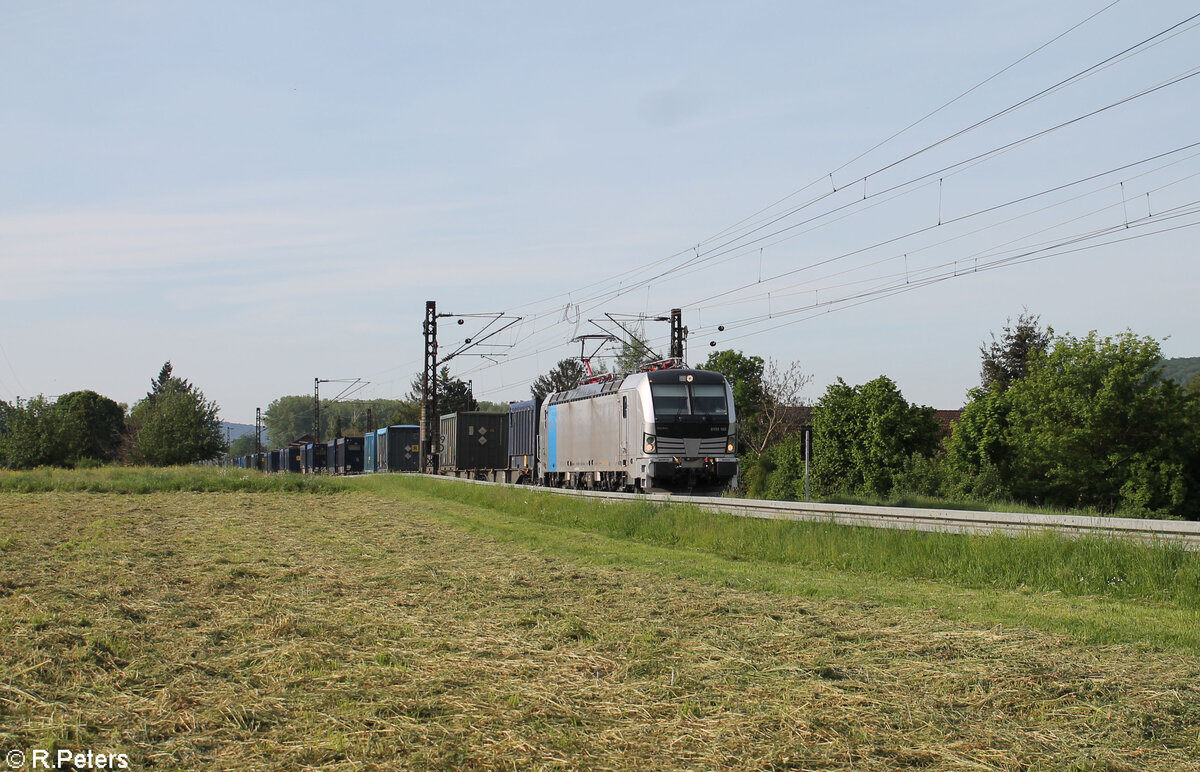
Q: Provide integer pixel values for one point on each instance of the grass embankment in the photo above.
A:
(394, 627)
(915, 501)
(1135, 591)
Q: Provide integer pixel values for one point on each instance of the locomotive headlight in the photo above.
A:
(731, 446)
(648, 442)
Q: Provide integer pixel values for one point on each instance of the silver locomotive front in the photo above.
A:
(689, 436)
(670, 429)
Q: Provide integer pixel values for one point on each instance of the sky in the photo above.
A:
(268, 193)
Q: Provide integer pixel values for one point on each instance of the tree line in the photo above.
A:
(172, 424)
(1057, 420)
(290, 418)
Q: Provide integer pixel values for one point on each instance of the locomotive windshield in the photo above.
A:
(670, 399)
(677, 399)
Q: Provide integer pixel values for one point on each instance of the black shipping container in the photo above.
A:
(314, 458)
(349, 455)
(522, 434)
(474, 441)
(331, 456)
(399, 448)
(292, 458)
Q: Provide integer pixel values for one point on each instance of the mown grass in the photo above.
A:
(142, 480)
(396, 628)
(1039, 562)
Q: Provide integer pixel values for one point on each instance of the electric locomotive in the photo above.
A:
(668, 429)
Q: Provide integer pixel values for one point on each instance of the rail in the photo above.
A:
(1185, 533)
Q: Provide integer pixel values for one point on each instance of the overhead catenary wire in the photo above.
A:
(1164, 34)
(692, 260)
(1008, 246)
(894, 136)
(961, 218)
(951, 270)
(599, 298)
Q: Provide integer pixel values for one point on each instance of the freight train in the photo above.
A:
(666, 427)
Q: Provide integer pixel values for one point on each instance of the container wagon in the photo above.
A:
(314, 458)
(474, 444)
(398, 448)
(370, 445)
(349, 455)
(522, 441)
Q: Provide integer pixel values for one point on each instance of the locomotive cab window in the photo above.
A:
(709, 399)
(680, 399)
(670, 399)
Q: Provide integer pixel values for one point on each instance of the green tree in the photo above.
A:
(30, 436)
(454, 394)
(634, 351)
(174, 424)
(406, 413)
(765, 396)
(563, 376)
(978, 450)
(79, 425)
(1094, 424)
(290, 417)
(865, 435)
(745, 376)
(87, 426)
(1007, 360)
(242, 446)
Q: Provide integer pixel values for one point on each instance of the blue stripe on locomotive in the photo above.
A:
(552, 438)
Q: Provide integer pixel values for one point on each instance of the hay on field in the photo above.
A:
(224, 630)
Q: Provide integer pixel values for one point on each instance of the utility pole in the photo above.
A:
(430, 429)
(429, 445)
(258, 438)
(807, 456)
(678, 334)
(316, 410)
(355, 385)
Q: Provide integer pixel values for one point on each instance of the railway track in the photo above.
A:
(1181, 532)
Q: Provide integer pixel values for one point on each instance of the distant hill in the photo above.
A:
(1181, 369)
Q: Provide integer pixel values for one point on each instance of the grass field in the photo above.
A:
(231, 623)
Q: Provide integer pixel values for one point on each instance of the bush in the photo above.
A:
(920, 476)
